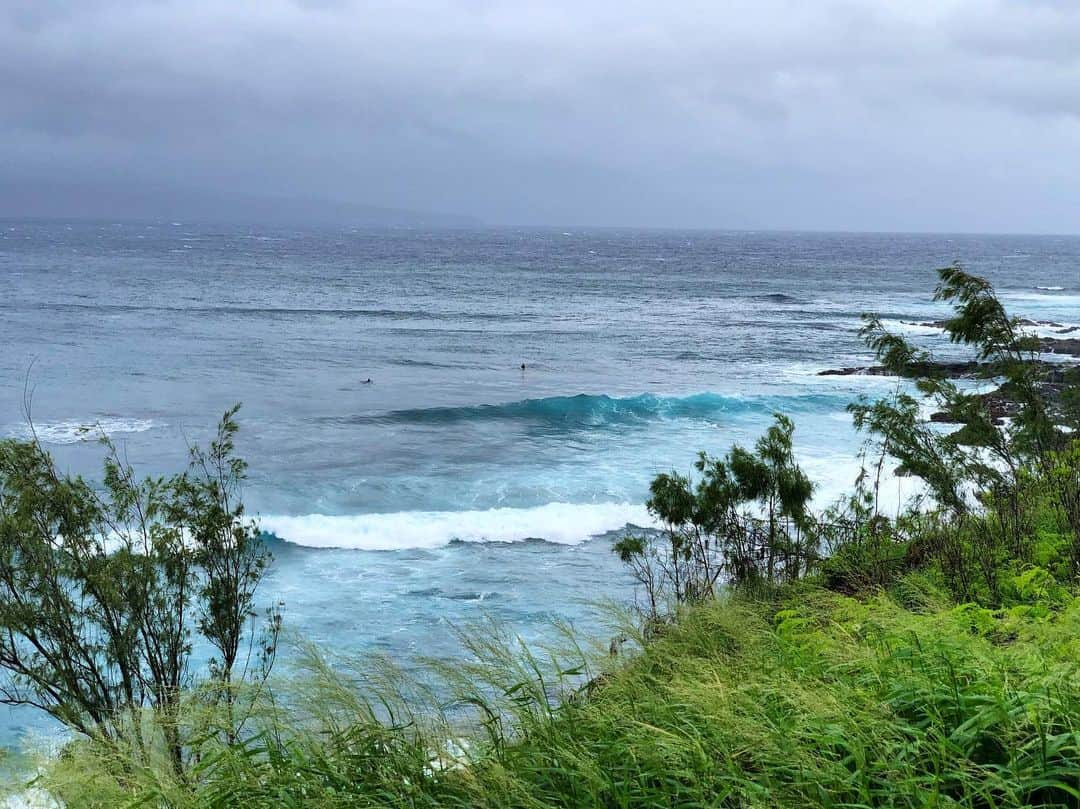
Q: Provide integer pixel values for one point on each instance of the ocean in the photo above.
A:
(457, 485)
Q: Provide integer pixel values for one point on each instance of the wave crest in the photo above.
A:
(592, 411)
(562, 523)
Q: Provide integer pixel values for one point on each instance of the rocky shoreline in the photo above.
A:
(1056, 376)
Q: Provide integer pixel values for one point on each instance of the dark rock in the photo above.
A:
(864, 370)
(949, 370)
(1061, 345)
(1060, 328)
(998, 406)
(1056, 381)
(1049, 324)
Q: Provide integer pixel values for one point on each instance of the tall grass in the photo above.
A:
(806, 698)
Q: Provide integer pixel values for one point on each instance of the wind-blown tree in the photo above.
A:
(105, 590)
(770, 477)
(989, 462)
(746, 518)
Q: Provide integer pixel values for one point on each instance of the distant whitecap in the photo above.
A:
(76, 431)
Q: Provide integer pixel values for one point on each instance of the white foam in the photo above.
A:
(74, 432)
(30, 798)
(40, 747)
(1052, 329)
(564, 523)
(1042, 297)
(834, 481)
(910, 328)
(1039, 328)
(1051, 289)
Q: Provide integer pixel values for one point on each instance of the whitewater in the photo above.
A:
(456, 483)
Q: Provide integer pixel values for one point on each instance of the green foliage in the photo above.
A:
(746, 517)
(103, 591)
(863, 567)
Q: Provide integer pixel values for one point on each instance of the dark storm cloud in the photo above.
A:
(954, 114)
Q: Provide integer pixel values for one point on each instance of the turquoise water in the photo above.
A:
(457, 484)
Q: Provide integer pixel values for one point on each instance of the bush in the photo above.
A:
(710, 528)
(103, 592)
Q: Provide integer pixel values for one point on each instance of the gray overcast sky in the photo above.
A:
(823, 114)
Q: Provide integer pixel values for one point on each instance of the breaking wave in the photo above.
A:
(562, 523)
(592, 411)
(74, 431)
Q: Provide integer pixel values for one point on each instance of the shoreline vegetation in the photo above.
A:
(777, 655)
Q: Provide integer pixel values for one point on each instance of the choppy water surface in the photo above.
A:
(456, 484)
